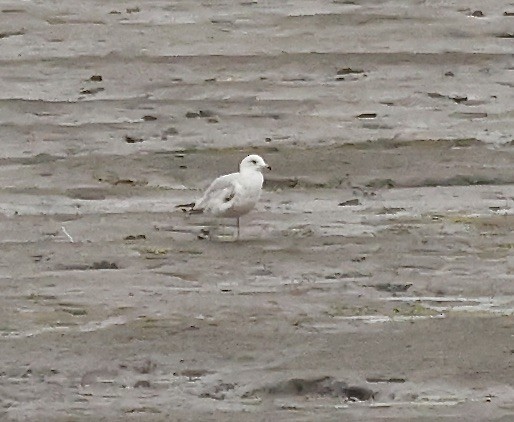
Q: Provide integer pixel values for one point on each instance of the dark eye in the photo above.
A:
(253, 162)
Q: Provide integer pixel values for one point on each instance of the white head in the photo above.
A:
(253, 162)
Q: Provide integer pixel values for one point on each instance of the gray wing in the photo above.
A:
(220, 191)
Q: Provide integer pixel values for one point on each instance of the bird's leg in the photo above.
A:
(237, 228)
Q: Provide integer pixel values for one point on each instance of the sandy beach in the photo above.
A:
(374, 279)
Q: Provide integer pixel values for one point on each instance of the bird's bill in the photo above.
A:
(267, 167)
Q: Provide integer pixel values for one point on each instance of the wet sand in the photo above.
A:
(372, 282)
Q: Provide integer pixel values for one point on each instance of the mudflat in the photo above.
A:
(374, 280)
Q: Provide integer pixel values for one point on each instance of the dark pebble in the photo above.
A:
(367, 116)
(142, 384)
(349, 71)
(135, 237)
(459, 99)
(393, 287)
(132, 139)
(350, 202)
(104, 265)
(359, 393)
(91, 91)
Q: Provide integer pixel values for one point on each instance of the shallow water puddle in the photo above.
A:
(421, 402)
(338, 322)
(373, 319)
(430, 308)
(499, 305)
(88, 327)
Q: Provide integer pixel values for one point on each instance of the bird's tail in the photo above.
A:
(189, 208)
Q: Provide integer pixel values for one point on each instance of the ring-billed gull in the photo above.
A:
(234, 194)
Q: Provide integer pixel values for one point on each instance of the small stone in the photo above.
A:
(358, 393)
(349, 202)
(459, 99)
(132, 139)
(92, 91)
(367, 116)
(135, 237)
(142, 384)
(206, 113)
(393, 287)
(349, 71)
(104, 265)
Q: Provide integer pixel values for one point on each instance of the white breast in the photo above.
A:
(247, 193)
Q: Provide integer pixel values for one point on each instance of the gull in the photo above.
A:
(235, 194)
